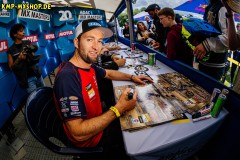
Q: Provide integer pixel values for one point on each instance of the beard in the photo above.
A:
(86, 58)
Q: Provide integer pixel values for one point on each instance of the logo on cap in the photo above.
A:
(93, 24)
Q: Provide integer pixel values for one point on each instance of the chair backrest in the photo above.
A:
(44, 123)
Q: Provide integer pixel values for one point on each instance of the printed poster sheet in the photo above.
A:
(166, 100)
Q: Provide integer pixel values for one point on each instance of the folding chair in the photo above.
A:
(44, 123)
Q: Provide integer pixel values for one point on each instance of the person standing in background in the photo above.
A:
(143, 34)
(23, 65)
(233, 37)
(151, 27)
(21, 60)
(126, 30)
(212, 57)
(161, 32)
(175, 45)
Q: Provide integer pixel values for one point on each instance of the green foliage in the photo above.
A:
(143, 9)
(123, 17)
(136, 11)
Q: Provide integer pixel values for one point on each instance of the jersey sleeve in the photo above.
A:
(68, 95)
(218, 44)
(100, 72)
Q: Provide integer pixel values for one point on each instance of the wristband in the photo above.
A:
(131, 77)
(115, 110)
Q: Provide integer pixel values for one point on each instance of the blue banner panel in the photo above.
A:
(39, 31)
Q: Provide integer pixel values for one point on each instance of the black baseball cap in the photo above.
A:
(152, 7)
(89, 24)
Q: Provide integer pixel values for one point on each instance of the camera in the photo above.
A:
(28, 50)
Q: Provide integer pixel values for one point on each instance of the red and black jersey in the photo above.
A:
(77, 96)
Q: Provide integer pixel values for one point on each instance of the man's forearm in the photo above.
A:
(116, 75)
(233, 40)
(84, 129)
(15, 64)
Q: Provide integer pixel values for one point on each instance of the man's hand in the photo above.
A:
(199, 51)
(140, 79)
(156, 45)
(22, 56)
(103, 50)
(120, 61)
(118, 47)
(124, 104)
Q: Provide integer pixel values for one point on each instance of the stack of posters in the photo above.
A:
(165, 100)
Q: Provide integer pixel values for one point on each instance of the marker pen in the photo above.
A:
(130, 94)
(202, 118)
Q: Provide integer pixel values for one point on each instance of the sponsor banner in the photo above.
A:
(32, 38)
(3, 45)
(89, 14)
(65, 15)
(30, 14)
(83, 17)
(65, 33)
(49, 36)
(25, 6)
(4, 14)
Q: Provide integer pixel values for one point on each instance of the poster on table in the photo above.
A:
(163, 101)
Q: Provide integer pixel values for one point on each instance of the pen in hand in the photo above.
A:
(130, 94)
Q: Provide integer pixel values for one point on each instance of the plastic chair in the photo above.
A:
(44, 123)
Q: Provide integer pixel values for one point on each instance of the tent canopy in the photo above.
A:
(195, 6)
(140, 16)
(110, 6)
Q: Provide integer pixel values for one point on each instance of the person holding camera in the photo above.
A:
(21, 60)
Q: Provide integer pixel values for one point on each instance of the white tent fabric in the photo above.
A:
(141, 15)
(109, 6)
(189, 14)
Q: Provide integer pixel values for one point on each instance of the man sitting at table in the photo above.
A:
(77, 96)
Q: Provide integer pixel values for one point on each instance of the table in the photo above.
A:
(169, 140)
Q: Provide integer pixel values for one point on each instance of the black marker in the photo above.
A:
(130, 94)
(134, 57)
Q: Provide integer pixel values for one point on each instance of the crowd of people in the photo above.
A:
(163, 33)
